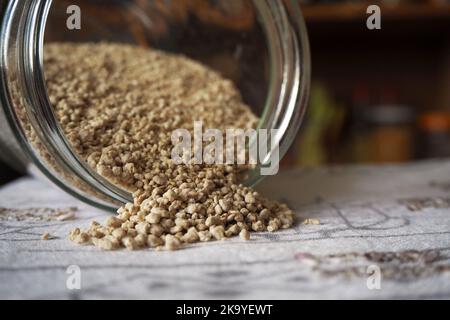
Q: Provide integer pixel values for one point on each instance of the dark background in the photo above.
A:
(362, 76)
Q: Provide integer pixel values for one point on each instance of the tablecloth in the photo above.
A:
(384, 232)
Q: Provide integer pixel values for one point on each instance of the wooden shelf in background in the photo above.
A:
(354, 11)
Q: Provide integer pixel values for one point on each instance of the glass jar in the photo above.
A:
(261, 45)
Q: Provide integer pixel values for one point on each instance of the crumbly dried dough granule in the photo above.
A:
(244, 234)
(45, 236)
(118, 113)
(37, 214)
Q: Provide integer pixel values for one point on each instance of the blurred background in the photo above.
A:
(378, 96)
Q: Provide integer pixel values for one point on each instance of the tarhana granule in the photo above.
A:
(118, 105)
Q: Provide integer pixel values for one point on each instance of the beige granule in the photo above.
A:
(244, 234)
(45, 236)
(172, 243)
(118, 106)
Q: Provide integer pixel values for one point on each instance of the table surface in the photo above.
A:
(384, 233)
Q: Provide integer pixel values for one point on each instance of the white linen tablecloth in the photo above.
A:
(384, 233)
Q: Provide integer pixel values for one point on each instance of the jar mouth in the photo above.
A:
(289, 77)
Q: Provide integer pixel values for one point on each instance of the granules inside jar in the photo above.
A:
(118, 105)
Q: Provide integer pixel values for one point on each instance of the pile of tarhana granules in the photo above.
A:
(118, 106)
